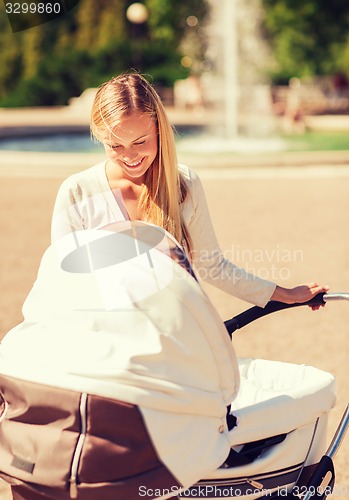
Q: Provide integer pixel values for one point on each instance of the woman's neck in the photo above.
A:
(131, 190)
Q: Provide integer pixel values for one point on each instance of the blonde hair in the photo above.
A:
(164, 188)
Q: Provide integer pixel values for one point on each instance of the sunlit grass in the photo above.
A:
(317, 141)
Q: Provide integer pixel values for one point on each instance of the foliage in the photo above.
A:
(53, 62)
(49, 64)
(308, 38)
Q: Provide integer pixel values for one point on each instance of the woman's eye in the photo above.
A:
(115, 146)
(139, 143)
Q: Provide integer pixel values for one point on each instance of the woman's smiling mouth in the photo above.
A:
(134, 164)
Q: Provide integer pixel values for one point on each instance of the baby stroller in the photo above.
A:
(121, 382)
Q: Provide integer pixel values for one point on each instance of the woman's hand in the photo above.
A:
(299, 294)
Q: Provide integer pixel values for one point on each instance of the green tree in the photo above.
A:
(10, 54)
(308, 38)
(53, 62)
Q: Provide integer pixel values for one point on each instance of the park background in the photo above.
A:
(276, 175)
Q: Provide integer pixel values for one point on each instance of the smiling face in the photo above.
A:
(133, 146)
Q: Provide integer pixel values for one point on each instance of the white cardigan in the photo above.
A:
(85, 201)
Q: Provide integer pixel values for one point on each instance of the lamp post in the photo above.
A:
(137, 14)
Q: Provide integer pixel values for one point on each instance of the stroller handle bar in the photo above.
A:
(256, 312)
(335, 296)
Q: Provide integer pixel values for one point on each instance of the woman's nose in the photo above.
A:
(128, 152)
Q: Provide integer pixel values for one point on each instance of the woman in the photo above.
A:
(141, 180)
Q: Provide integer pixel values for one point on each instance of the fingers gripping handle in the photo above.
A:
(256, 312)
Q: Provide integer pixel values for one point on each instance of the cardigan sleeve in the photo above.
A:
(208, 259)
